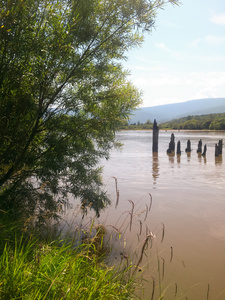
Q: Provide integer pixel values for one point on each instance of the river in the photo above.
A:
(186, 214)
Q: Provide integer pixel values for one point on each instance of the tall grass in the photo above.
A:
(33, 270)
(33, 267)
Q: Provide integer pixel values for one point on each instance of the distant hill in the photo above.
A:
(164, 113)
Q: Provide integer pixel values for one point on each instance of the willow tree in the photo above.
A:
(63, 95)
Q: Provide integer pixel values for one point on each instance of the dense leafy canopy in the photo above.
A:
(63, 94)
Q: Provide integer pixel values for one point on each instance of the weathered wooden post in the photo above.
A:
(204, 151)
(199, 150)
(188, 149)
(171, 144)
(220, 145)
(219, 148)
(155, 137)
(178, 148)
(216, 150)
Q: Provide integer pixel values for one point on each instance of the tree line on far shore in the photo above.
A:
(199, 122)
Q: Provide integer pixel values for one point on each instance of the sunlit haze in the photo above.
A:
(184, 56)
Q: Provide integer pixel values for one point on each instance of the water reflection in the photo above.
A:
(218, 160)
(171, 157)
(202, 158)
(205, 160)
(188, 156)
(155, 167)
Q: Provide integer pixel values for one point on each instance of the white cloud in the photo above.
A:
(200, 79)
(210, 39)
(157, 81)
(214, 59)
(168, 23)
(208, 79)
(208, 92)
(163, 47)
(145, 66)
(218, 19)
(215, 40)
(178, 87)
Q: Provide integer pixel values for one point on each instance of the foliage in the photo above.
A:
(206, 122)
(63, 94)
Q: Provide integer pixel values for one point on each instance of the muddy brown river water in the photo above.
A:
(188, 199)
(186, 214)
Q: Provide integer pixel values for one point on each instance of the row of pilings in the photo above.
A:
(171, 149)
(188, 149)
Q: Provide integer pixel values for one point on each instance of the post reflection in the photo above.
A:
(202, 158)
(171, 157)
(188, 156)
(218, 160)
(155, 167)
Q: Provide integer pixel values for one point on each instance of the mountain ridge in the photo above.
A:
(168, 112)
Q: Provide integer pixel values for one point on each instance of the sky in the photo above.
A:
(183, 58)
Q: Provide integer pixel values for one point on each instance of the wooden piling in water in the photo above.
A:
(178, 148)
(155, 137)
(220, 144)
(199, 150)
(188, 149)
(216, 150)
(204, 151)
(219, 148)
(171, 144)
